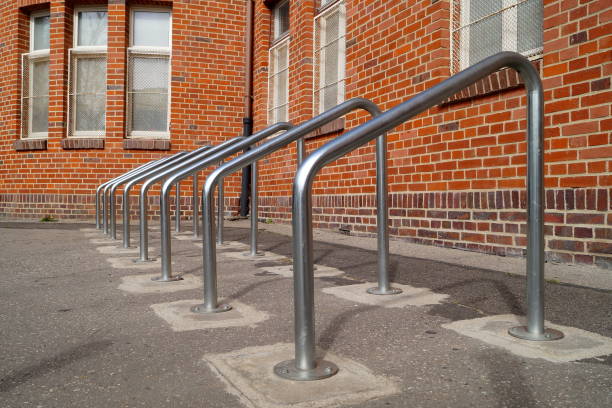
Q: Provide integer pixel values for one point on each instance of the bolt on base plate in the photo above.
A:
(287, 369)
(378, 291)
(203, 309)
(170, 279)
(522, 332)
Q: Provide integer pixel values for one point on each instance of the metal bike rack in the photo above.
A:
(143, 214)
(210, 304)
(101, 186)
(143, 176)
(155, 176)
(105, 198)
(166, 261)
(305, 366)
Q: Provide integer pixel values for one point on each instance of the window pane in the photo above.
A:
(149, 112)
(330, 97)
(332, 27)
(485, 35)
(90, 112)
(92, 28)
(281, 19)
(150, 74)
(40, 114)
(41, 33)
(281, 93)
(529, 33)
(40, 78)
(331, 63)
(151, 28)
(149, 100)
(91, 75)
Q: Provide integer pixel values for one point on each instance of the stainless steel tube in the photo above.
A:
(133, 178)
(119, 180)
(254, 209)
(144, 233)
(101, 186)
(138, 178)
(193, 155)
(304, 362)
(209, 250)
(220, 212)
(177, 208)
(198, 166)
(195, 203)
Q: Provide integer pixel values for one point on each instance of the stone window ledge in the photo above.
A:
(146, 144)
(502, 80)
(30, 144)
(83, 143)
(337, 125)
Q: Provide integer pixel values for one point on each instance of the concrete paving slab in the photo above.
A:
(410, 295)
(576, 345)
(90, 230)
(266, 256)
(129, 263)
(103, 241)
(575, 274)
(235, 245)
(321, 271)
(185, 237)
(248, 374)
(140, 284)
(118, 250)
(180, 317)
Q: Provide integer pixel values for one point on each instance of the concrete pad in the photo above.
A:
(267, 256)
(186, 237)
(410, 295)
(249, 375)
(145, 284)
(118, 250)
(180, 317)
(235, 245)
(576, 345)
(103, 241)
(321, 271)
(90, 230)
(128, 263)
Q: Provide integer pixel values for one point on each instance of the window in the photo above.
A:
(87, 85)
(482, 28)
(278, 80)
(330, 29)
(35, 79)
(149, 73)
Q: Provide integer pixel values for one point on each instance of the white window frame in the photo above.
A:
(461, 28)
(97, 50)
(320, 20)
(31, 57)
(152, 52)
(272, 84)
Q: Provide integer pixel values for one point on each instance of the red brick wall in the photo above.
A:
(58, 178)
(457, 172)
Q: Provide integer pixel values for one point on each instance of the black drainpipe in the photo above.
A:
(247, 121)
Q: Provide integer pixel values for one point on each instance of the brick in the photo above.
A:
(585, 218)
